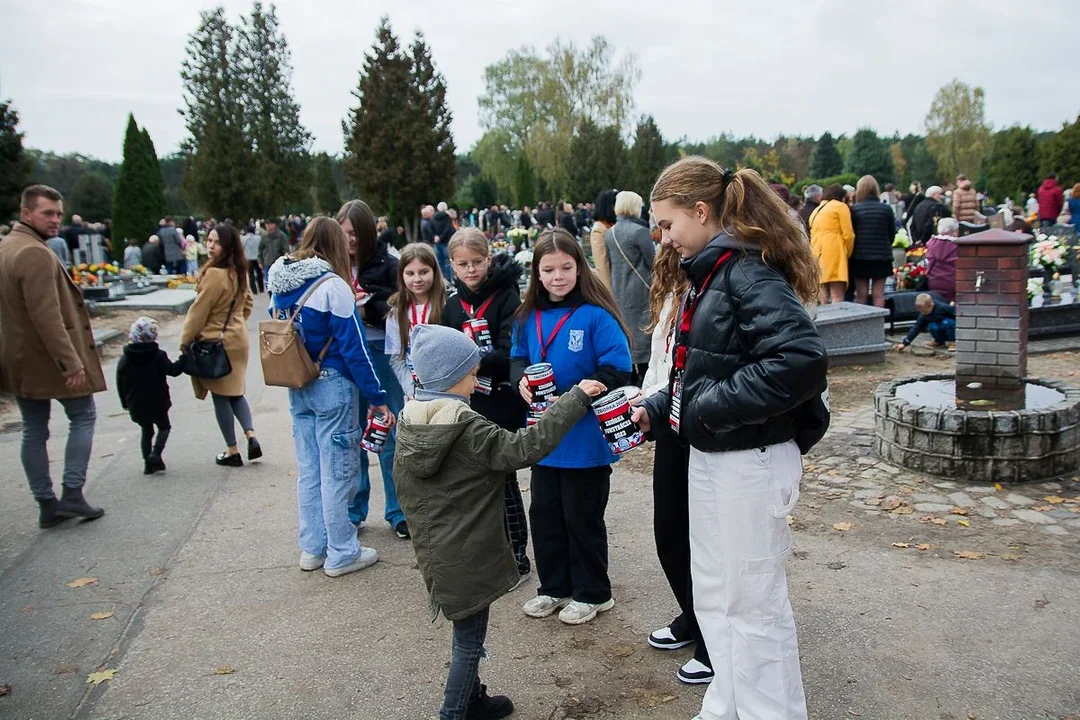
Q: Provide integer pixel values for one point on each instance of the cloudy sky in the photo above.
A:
(75, 68)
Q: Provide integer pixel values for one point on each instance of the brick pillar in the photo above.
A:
(992, 321)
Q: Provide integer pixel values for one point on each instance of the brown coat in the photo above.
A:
(965, 203)
(45, 334)
(599, 252)
(216, 289)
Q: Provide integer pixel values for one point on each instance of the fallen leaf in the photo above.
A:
(936, 520)
(958, 511)
(224, 670)
(790, 519)
(873, 502)
(622, 651)
(1040, 603)
(890, 503)
(102, 615)
(1054, 499)
(68, 669)
(923, 546)
(96, 678)
(968, 554)
(28, 608)
(842, 527)
(907, 489)
(82, 582)
(1043, 508)
(836, 565)
(971, 716)
(903, 510)
(812, 468)
(813, 506)
(963, 522)
(667, 698)
(157, 572)
(1010, 557)
(901, 545)
(998, 487)
(5, 690)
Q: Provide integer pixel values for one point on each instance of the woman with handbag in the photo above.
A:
(631, 252)
(326, 411)
(214, 343)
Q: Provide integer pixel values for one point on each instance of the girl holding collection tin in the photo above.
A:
(419, 300)
(569, 323)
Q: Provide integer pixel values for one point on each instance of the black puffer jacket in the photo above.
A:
(504, 405)
(378, 277)
(875, 228)
(142, 382)
(755, 368)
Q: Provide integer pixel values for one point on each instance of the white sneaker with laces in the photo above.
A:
(543, 605)
(366, 558)
(664, 639)
(309, 562)
(579, 613)
(695, 673)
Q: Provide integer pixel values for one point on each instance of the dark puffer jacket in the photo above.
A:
(875, 228)
(142, 382)
(755, 367)
(504, 405)
(378, 277)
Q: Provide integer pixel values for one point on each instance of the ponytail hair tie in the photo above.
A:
(727, 176)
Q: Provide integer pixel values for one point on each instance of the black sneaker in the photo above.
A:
(485, 707)
(154, 464)
(254, 449)
(229, 460)
(665, 639)
(402, 530)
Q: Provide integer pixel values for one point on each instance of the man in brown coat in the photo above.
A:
(47, 352)
(965, 201)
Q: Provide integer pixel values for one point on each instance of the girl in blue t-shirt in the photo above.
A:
(569, 319)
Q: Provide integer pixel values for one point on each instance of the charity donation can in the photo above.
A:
(541, 379)
(614, 412)
(479, 332)
(375, 435)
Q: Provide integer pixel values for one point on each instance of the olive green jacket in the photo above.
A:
(449, 469)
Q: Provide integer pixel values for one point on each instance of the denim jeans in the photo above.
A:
(463, 681)
(358, 508)
(82, 415)
(326, 432)
(943, 332)
(442, 254)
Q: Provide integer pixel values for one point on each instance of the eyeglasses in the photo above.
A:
(475, 265)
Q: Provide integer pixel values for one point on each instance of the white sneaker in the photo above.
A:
(664, 639)
(309, 562)
(695, 673)
(543, 605)
(366, 558)
(579, 613)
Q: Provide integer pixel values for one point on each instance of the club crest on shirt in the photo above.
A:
(577, 341)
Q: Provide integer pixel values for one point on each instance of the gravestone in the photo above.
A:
(853, 334)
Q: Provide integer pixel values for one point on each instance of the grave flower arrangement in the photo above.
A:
(901, 240)
(524, 259)
(517, 236)
(1034, 287)
(499, 244)
(907, 276)
(1048, 252)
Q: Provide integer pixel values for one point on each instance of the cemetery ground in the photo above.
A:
(916, 597)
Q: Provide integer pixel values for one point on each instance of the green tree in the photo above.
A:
(137, 201)
(524, 183)
(919, 164)
(1012, 165)
(825, 160)
(327, 197)
(280, 143)
(648, 156)
(957, 134)
(870, 155)
(495, 155)
(433, 149)
(599, 161)
(14, 163)
(92, 197)
(219, 161)
(1061, 154)
(155, 191)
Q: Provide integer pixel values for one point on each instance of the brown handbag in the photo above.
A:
(285, 360)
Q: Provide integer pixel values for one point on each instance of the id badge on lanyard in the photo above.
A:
(676, 401)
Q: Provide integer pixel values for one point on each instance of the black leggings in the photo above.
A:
(225, 409)
(148, 444)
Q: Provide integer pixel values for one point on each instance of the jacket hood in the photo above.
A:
(426, 433)
(1049, 183)
(141, 353)
(287, 274)
(504, 273)
(965, 185)
(698, 267)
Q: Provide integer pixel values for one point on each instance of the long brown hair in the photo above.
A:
(402, 300)
(595, 292)
(323, 238)
(231, 256)
(667, 279)
(362, 220)
(747, 208)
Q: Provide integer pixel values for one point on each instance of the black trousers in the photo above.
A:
(517, 523)
(255, 276)
(671, 527)
(148, 442)
(569, 534)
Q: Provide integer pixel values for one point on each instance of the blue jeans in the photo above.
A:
(358, 508)
(326, 432)
(943, 332)
(442, 254)
(463, 682)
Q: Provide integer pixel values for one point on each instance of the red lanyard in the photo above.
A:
(551, 338)
(688, 312)
(479, 313)
(423, 314)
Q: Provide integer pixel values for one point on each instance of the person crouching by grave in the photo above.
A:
(747, 391)
(450, 469)
(569, 321)
(937, 317)
(142, 383)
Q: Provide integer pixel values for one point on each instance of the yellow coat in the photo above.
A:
(216, 289)
(832, 238)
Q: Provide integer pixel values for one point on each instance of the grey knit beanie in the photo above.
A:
(441, 356)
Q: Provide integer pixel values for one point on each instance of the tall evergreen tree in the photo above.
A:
(137, 202)
(281, 144)
(599, 161)
(433, 151)
(870, 155)
(327, 197)
(1012, 166)
(155, 192)
(220, 164)
(825, 160)
(524, 183)
(1061, 154)
(648, 156)
(92, 197)
(14, 164)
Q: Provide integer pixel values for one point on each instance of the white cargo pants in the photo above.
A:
(739, 544)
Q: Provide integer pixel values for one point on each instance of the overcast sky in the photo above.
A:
(75, 68)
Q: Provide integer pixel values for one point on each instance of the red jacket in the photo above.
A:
(1051, 198)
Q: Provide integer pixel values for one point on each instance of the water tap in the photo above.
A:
(978, 280)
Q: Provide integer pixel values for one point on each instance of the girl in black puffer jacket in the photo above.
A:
(747, 392)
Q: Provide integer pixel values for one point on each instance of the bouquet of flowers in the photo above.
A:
(1048, 252)
(907, 277)
(1034, 287)
(524, 258)
(499, 245)
(901, 240)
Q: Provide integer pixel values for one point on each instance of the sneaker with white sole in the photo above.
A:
(579, 613)
(309, 562)
(664, 639)
(695, 673)
(366, 558)
(543, 605)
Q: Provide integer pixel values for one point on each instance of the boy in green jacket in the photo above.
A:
(449, 469)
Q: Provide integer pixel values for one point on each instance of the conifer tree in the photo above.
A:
(138, 200)
(826, 160)
(870, 155)
(327, 197)
(92, 197)
(433, 141)
(14, 164)
(648, 156)
(524, 183)
(155, 191)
